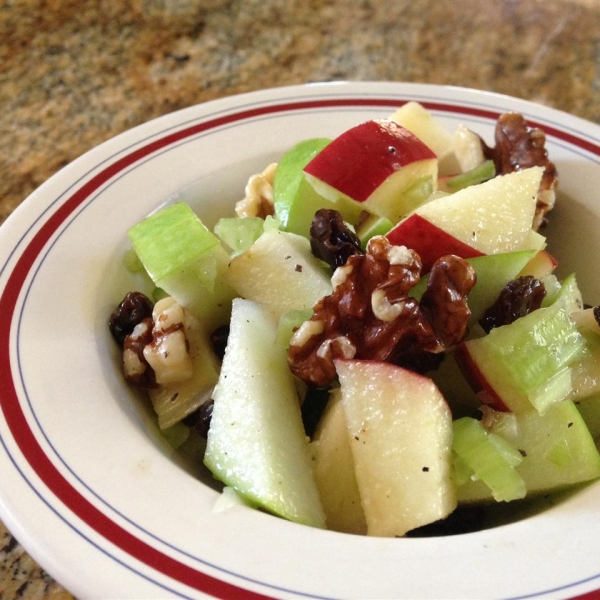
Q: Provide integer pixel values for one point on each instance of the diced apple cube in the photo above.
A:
(280, 271)
(489, 218)
(378, 164)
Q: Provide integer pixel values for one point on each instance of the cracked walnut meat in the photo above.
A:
(371, 316)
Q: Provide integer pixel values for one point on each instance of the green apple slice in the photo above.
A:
(256, 442)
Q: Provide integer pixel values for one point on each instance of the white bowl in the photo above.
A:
(87, 488)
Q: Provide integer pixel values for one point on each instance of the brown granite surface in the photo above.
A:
(76, 72)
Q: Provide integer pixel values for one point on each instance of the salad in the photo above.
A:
(374, 341)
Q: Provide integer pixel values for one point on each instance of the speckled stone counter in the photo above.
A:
(76, 72)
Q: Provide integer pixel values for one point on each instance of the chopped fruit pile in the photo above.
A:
(378, 340)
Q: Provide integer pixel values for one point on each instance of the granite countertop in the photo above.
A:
(73, 74)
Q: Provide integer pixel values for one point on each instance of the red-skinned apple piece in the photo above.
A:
(482, 387)
(542, 264)
(429, 241)
(400, 432)
(374, 163)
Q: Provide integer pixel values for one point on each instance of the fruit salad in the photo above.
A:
(374, 340)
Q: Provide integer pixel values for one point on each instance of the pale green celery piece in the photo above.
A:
(290, 321)
(186, 260)
(132, 262)
(552, 286)
(372, 226)
(532, 349)
(239, 234)
(512, 456)
(174, 401)
(271, 223)
(416, 195)
(472, 444)
(557, 447)
(170, 239)
(569, 295)
(486, 170)
(176, 435)
(461, 471)
(558, 387)
(158, 294)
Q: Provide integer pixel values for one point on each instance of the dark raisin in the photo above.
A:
(133, 309)
(204, 414)
(200, 418)
(313, 407)
(597, 314)
(462, 520)
(517, 299)
(218, 340)
(331, 240)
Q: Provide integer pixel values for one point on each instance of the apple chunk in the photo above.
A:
(401, 437)
(379, 164)
(489, 218)
(279, 271)
(256, 441)
(334, 470)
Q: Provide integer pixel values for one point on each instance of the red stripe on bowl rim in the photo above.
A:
(9, 401)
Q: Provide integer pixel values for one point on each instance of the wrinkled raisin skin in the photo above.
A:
(218, 340)
(201, 418)
(132, 310)
(517, 299)
(331, 240)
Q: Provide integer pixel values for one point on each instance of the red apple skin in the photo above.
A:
(542, 264)
(361, 159)
(429, 241)
(476, 379)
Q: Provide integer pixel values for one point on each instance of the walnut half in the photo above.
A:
(371, 316)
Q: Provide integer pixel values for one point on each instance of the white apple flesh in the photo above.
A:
(489, 218)
(334, 470)
(279, 271)
(401, 436)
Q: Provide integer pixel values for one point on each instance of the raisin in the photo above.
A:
(133, 309)
(313, 407)
(597, 314)
(331, 240)
(517, 299)
(204, 418)
(218, 340)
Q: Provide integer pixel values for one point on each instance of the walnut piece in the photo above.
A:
(371, 316)
(258, 201)
(156, 352)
